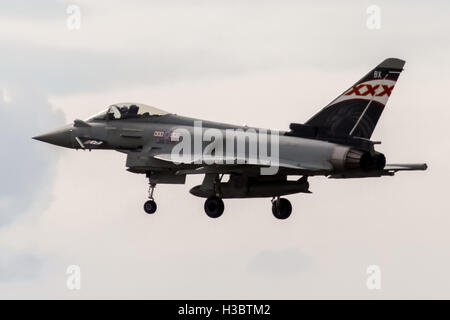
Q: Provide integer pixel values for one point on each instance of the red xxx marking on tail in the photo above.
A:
(370, 90)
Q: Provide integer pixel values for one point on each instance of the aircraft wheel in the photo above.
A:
(150, 206)
(214, 207)
(281, 208)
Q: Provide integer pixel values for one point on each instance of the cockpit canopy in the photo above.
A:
(127, 110)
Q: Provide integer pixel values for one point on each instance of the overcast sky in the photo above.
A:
(264, 63)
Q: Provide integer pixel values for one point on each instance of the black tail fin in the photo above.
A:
(357, 110)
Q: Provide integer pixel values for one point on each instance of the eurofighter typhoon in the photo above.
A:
(244, 162)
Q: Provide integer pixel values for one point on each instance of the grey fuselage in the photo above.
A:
(142, 139)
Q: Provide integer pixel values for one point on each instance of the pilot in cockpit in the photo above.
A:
(133, 111)
(123, 112)
(127, 111)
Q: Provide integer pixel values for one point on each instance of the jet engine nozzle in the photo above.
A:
(356, 159)
(345, 158)
(372, 162)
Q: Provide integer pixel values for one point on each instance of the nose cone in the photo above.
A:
(60, 137)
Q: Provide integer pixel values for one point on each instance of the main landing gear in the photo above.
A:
(214, 204)
(281, 208)
(214, 207)
(150, 205)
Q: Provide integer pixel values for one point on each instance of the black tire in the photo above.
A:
(281, 208)
(214, 207)
(150, 206)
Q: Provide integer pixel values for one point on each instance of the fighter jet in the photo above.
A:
(243, 162)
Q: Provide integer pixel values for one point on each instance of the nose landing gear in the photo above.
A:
(150, 205)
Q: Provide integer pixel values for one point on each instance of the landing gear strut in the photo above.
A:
(281, 208)
(150, 205)
(214, 207)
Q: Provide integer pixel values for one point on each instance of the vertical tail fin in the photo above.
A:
(356, 111)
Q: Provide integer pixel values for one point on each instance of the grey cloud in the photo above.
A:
(42, 9)
(280, 262)
(19, 265)
(254, 40)
(27, 168)
(61, 71)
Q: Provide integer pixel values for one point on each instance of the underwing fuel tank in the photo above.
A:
(239, 188)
